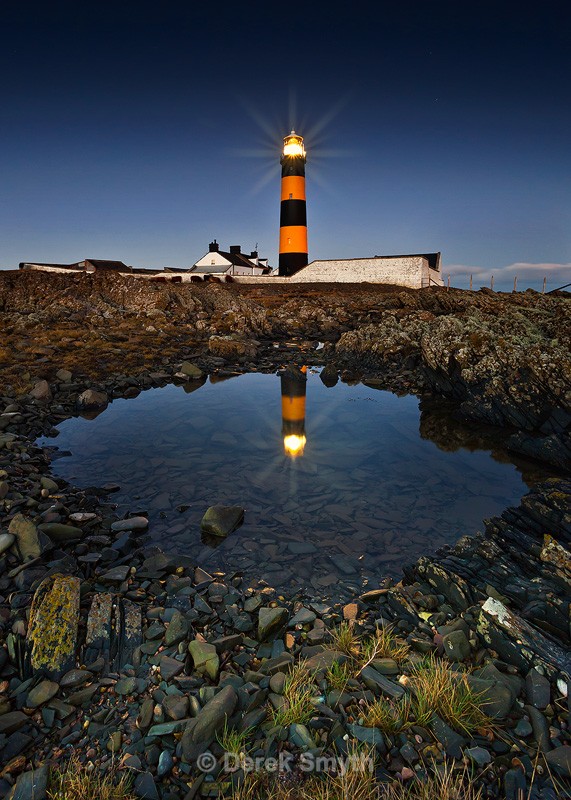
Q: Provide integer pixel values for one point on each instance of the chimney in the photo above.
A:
(213, 247)
(235, 248)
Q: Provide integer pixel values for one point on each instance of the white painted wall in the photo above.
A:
(213, 260)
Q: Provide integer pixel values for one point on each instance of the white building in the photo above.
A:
(219, 262)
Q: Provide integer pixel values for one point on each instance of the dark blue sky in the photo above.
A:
(140, 132)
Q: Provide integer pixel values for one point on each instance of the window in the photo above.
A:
(291, 195)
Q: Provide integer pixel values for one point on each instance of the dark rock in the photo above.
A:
(559, 760)
(221, 520)
(537, 689)
(270, 620)
(31, 785)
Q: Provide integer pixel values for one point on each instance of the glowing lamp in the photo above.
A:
(293, 145)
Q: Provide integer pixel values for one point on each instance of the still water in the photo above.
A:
(338, 484)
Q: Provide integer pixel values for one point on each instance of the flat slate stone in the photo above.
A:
(559, 759)
(31, 785)
(59, 532)
(270, 620)
(27, 539)
(131, 524)
(222, 520)
(170, 667)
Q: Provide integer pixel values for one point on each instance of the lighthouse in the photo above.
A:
(293, 216)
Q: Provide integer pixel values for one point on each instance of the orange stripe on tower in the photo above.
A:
(293, 188)
(293, 239)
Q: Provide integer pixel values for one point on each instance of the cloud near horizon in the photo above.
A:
(527, 274)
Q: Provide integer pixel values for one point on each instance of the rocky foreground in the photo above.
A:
(126, 656)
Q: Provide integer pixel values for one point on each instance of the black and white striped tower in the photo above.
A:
(293, 214)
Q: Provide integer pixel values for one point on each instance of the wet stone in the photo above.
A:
(116, 575)
(58, 532)
(222, 520)
(131, 524)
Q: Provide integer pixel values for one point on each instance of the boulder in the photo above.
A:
(41, 392)
(29, 542)
(52, 630)
(191, 371)
(91, 399)
(270, 620)
(222, 520)
(59, 532)
(212, 717)
(205, 658)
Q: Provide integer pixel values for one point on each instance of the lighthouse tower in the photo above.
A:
(293, 216)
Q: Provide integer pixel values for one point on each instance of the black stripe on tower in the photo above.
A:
(292, 262)
(293, 166)
(293, 212)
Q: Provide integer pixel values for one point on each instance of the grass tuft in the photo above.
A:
(338, 675)
(75, 782)
(344, 639)
(390, 716)
(299, 691)
(437, 689)
(233, 741)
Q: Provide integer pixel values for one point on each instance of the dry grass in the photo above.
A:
(391, 716)
(437, 689)
(359, 783)
(382, 644)
(75, 782)
(233, 741)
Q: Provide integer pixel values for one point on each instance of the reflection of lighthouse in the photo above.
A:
(293, 384)
(293, 217)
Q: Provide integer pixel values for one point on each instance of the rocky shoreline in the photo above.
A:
(127, 656)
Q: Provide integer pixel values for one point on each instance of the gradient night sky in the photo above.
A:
(141, 132)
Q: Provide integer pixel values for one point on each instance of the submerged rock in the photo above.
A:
(222, 520)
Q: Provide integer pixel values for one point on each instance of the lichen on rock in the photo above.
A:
(52, 631)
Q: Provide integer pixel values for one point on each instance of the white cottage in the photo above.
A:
(219, 262)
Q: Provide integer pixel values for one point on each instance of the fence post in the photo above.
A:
(448, 284)
(492, 284)
(515, 284)
(470, 283)
(544, 283)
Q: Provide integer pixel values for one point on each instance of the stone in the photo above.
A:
(31, 785)
(170, 667)
(540, 728)
(144, 787)
(75, 678)
(212, 717)
(537, 689)
(41, 693)
(116, 574)
(329, 376)
(11, 721)
(91, 399)
(302, 617)
(368, 736)
(6, 541)
(319, 662)
(191, 371)
(205, 658)
(176, 706)
(41, 392)
(49, 484)
(380, 684)
(52, 630)
(270, 620)
(131, 524)
(177, 630)
(452, 741)
(64, 375)
(114, 742)
(125, 686)
(58, 532)
(559, 759)
(479, 755)
(27, 539)
(300, 736)
(221, 520)
(456, 645)
(277, 682)
(165, 764)
(515, 784)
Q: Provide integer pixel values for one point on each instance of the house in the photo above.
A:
(218, 263)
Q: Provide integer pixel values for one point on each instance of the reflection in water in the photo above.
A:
(368, 495)
(293, 386)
